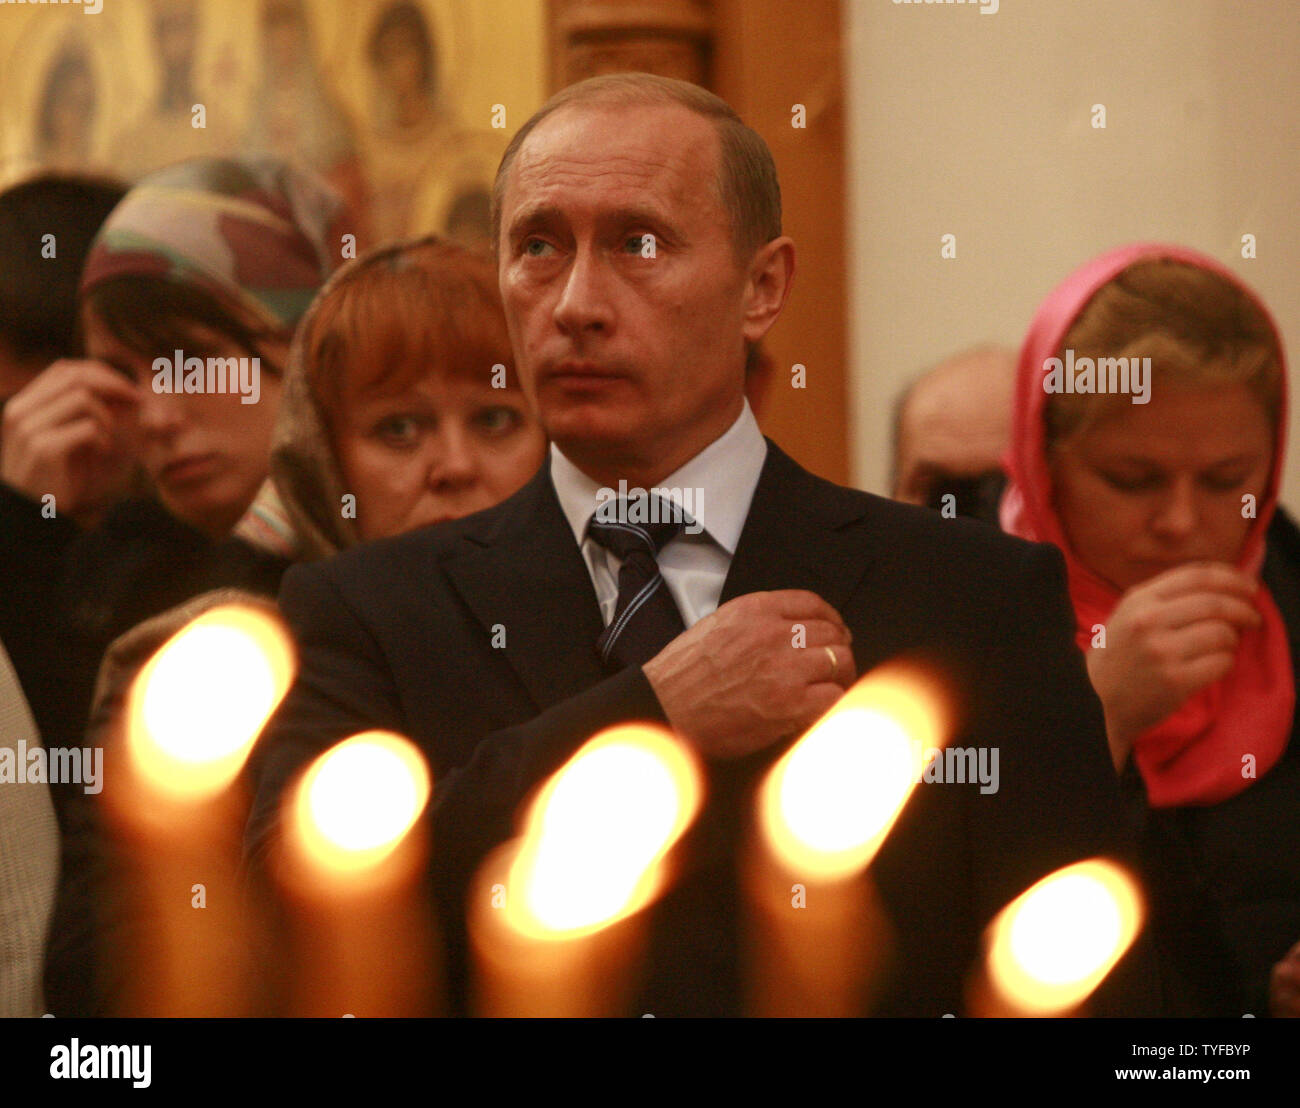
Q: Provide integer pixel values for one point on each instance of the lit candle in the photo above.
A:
(1054, 944)
(818, 936)
(556, 916)
(192, 716)
(352, 866)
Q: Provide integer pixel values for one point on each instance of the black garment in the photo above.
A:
(65, 595)
(399, 635)
(976, 497)
(1227, 876)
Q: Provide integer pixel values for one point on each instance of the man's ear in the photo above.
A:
(770, 275)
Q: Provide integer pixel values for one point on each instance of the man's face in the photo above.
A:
(954, 428)
(636, 361)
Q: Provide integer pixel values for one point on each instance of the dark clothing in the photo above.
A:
(975, 497)
(1227, 876)
(65, 595)
(399, 635)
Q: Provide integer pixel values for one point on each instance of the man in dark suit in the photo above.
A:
(641, 254)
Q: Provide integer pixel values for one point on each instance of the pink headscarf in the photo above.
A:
(1195, 756)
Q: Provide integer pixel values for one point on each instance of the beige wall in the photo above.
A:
(979, 125)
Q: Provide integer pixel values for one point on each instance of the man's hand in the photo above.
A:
(1284, 985)
(1167, 638)
(71, 432)
(737, 681)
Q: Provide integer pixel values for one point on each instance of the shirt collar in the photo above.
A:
(715, 487)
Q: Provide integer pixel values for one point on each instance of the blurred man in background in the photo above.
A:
(951, 427)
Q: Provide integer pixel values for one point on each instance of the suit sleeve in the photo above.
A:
(343, 687)
(961, 853)
(475, 805)
(1059, 799)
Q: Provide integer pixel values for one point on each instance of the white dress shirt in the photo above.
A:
(715, 488)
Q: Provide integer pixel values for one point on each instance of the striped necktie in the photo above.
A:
(645, 617)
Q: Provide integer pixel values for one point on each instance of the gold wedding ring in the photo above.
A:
(835, 662)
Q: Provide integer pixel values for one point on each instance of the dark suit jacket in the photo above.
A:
(399, 634)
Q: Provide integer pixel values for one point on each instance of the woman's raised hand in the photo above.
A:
(70, 433)
(1166, 639)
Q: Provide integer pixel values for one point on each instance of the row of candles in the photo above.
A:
(558, 916)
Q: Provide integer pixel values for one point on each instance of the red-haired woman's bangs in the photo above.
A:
(405, 315)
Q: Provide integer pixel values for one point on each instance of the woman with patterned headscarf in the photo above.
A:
(189, 299)
(209, 262)
(208, 259)
(400, 408)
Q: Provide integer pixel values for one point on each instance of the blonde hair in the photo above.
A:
(1197, 327)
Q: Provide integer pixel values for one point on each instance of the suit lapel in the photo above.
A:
(524, 572)
(796, 536)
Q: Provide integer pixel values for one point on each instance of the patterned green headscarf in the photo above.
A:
(252, 231)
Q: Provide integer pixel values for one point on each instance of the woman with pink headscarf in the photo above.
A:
(1148, 441)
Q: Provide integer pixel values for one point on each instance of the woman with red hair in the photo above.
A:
(401, 406)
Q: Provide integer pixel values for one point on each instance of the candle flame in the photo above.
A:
(1052, 946)
(828, 804)
(598, 832)
(358, 800)
(199, 703)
